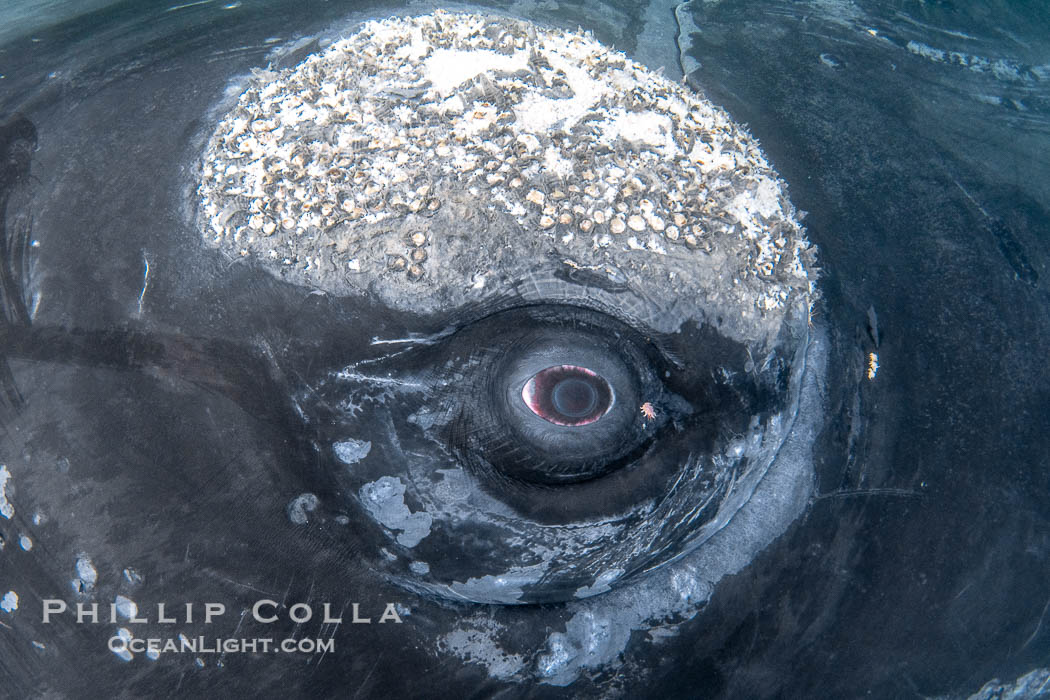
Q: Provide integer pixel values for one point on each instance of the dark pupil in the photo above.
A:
(568, 395)
(574, 398)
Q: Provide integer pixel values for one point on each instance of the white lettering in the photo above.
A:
(328, 619)
(390, 614)
(81, 614)
(160, 615)
(213, 610)
(359, 620)
(257, 611)
(304, 617)
(53, 606)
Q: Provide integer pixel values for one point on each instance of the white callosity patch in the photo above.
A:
(86, 577)
(121, 650)
(591, 639)
(126, 607)
(329, 171)
(477, 642)
(25, 542)
(301, 506)
(1001, 68)
(507, 587)
(6, 508)
(352, 451)
(384, 499)
(9, 603)
(447, 69)
(601, 584)
(1030, 686)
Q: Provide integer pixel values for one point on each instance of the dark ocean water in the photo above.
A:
(914, 135)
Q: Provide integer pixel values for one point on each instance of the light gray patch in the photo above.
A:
(25, 543)
(1030, 686)
(131, 576)
(424, 418)
(591, 639)
(420, 567)
(454, 486)
(300, 506)
(477, 644)
(87, 576)
(828, 60)
(384, 499)
(687, 31)
(126, 607)
(601, 584)
(352, 451)
(121, 650)
(6, 508)
(9, 603)
(500, 588)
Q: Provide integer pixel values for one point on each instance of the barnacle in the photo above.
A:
(564, 136)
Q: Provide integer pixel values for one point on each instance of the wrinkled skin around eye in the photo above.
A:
(501, 484)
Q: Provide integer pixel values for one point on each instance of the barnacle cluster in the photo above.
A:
(334, 170)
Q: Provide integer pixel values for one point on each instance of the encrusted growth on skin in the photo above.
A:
(334, 171)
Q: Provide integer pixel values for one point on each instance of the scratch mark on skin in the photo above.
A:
(189, 4)
(415, 339)
(222, 657)
(238, 583)
(284, 600)
(379, 381)
(902, 493)
(1038, 627)
(5, 625)
(335, 628)
(367, 676)
(970, 197)
(309, 598)
(1040, 688)
(145, 282)
(373, 360)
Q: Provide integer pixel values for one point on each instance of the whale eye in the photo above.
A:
(550, 399)
(568, 395)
